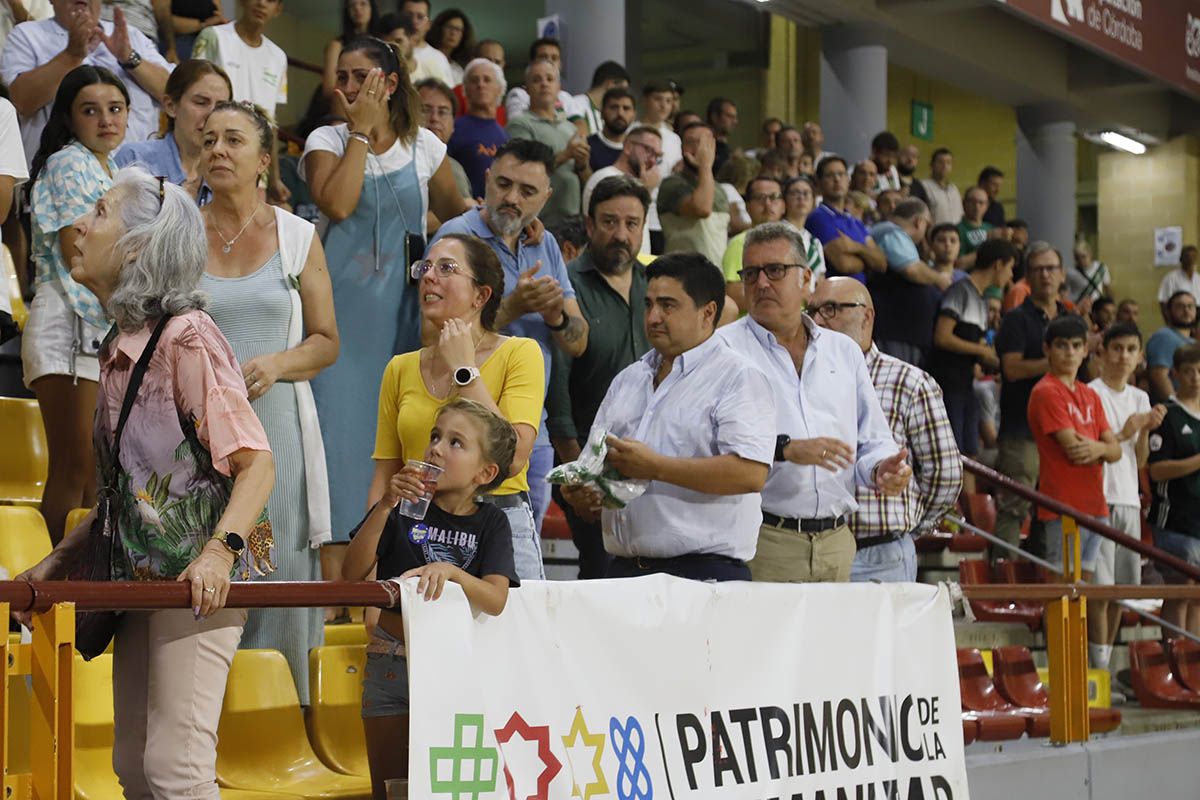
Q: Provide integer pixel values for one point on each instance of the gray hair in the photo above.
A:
(1038, 247)
(778, 231)
(536, 62)
(910, 208)
(487, 63)
(164, 251)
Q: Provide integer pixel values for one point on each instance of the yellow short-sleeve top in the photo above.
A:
(515, 377)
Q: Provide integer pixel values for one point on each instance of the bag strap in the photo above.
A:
(135, 383)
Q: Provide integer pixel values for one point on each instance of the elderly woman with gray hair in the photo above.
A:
(185, 470)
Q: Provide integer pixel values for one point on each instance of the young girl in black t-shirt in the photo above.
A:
(460, 540)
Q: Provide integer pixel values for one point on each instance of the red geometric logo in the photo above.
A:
(540, 734)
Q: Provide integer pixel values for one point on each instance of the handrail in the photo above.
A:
(304, 65)
(38, 596)
(1071, 591)
(1087, 521)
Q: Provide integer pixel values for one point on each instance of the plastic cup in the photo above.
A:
(416, 509)
(397, 789)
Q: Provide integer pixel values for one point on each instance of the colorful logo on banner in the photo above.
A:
(595, 741)
(472, 767)
(539, 734)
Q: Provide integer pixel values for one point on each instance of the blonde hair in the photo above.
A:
(499, 436)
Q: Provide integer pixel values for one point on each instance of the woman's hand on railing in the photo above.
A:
(41, 571)
(208, 575)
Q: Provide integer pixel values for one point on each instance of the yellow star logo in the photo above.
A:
(596, 742)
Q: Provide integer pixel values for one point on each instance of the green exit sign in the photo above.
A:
(922, 120)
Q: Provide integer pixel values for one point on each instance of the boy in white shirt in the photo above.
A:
(257, 67)
(1131, 418)
(431, 62)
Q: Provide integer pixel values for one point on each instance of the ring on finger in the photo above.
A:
(210, 590)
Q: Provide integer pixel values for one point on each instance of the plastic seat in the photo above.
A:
(262, 745)
(23, 468)
(335, 676)
(1185, 662)
(996, 726)
(970, 726)
(979, 694)
(23, 538)
(1007, 570)
(74, 517)
(965, 542)
(93, 699)
(933, 542)
(981, 510)
(1153, 682)
(554, 524)
(1016, 678)
(976, 572)
(345, 633)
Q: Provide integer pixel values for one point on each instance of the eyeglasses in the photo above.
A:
(437, 111)
(831, 309)
(765, 198)
(775, 272)
(658, 156)
(445, 268)
(1046, 269)
(162, 191)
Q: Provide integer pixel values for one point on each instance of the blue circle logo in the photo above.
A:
(418, 533)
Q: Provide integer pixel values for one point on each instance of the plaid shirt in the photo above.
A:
(913, 405)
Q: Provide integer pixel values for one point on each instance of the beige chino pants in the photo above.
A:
(169, 673)
(788, 556)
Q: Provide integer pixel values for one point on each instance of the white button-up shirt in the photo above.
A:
(713, 402)
(34, 44)
(832, 396)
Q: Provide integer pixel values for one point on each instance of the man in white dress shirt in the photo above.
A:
(39, 54)
(832, 436)
(695, 419)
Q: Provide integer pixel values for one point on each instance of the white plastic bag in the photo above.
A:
(591, 471)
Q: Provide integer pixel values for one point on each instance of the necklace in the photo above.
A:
(229, 243)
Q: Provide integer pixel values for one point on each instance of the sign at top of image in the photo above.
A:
(1160, 38)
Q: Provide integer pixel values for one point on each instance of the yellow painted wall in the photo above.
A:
(1137, 194)
(978, 131)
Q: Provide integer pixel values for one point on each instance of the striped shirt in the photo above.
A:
(913, 406)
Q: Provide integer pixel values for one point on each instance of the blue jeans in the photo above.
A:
(385, 680)
(541, 461)
(894, 562)
(1179, 545)
(527, 543)
(1089, 545)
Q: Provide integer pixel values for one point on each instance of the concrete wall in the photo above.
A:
(1136, 194)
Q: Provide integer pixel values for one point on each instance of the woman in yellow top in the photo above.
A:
(461, 283)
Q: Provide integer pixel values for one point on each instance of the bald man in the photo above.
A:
(832, 437)
(885, 526)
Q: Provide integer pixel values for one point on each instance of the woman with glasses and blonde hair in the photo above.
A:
(271, 297)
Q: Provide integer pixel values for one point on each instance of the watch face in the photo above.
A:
(463, 376)
(235, 542)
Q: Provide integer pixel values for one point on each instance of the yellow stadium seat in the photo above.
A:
(12, 285)
(335, 677)
(74, 517)
(262, 745)
(23, 468)
(94, 776)
(345, 633)
(23, 538)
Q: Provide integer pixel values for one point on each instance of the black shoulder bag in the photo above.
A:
(94, 630)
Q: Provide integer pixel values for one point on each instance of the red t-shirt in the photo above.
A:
(1052, 408)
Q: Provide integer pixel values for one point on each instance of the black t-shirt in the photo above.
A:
(602, 155)
(479, 544)
(1023, 331)
(1176, 504)
(194, 9)
(955, 372)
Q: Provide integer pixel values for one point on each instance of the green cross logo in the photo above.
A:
(471, 766)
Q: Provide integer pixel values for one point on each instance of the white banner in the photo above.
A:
(658, 687)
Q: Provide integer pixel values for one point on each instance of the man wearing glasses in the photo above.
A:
(764, 203)
(832, 434)
(640, 158)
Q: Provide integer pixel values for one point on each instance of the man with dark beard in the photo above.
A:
(619, 111)
(610, 286)
(641, 158)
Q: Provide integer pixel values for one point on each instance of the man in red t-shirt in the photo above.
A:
(1073, 441)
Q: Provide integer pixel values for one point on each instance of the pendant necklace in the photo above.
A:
(229, 243)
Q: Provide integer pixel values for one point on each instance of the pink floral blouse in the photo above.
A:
(174, 480)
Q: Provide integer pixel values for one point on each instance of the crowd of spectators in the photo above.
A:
(790, 349)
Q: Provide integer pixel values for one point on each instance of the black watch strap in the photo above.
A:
(781, 441)
(562, 326)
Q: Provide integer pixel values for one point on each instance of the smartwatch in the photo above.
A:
(781, 441)
(135, 61)
(233, 542)
(464, 375)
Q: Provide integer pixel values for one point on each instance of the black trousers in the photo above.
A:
(699, 567)
(588, 539)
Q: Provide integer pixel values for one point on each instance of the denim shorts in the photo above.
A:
(385, 680)
(1179, 545)
(527, 544)
(1089, 545)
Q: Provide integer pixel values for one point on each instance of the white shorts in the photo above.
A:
(56, 340)
(1117, 564)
